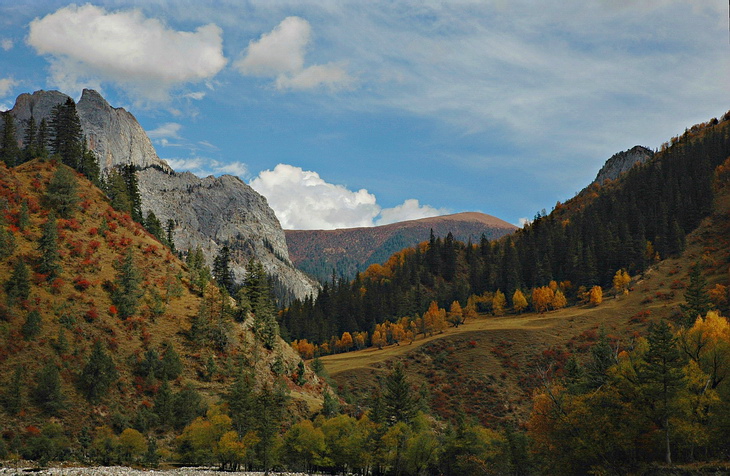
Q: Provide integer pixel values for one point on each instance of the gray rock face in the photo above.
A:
(209, 212)
(623, 162)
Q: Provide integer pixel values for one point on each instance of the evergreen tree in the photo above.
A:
(662, 377)
(697, 299)
(116, 189)
(170, 234)
(129, 173)
(41, 142)
(222, 271)
(127, 292)
(47, 393)
(23, 216)
(198, 271)
(270, 406)
(89, 165)
(164, 405)
(98, 374)
(48, 246)
(265, 325)
(602, 358)
(61, 194)
(187, 405)
(171, 366)
(32, 326)
(12, 397)
(9, 151)
(66, 133)
(31, 138)
(241, 403)
(17, 288)
(400, 402)
(153, 225)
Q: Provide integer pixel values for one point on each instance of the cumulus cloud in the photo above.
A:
(6, 44)
(303, 200)
(280, 54)
(203, 167)
(408, 210)
(87, 44)
(6, 85)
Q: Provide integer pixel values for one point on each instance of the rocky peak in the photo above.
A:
(209, 213)
(623, 162)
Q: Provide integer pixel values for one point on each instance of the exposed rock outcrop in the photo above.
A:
(623, 162)
(208, 212)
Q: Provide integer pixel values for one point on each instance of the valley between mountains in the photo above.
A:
(155, 318)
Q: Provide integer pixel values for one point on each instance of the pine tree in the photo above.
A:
(89, 165)
(9, 151)
(67, 136)
(61, 194)
(17, 288)
(32, 326)
(662, 377)
(171, 366)
(98, 374)
(170, 234)
(241, 403)
(222, 271)
(127, 292)
(12, 397)
(697, 299)
(47, 393)
(48, 246)
(31, 138)
(399, 401)
(116, 189)
(41, 142)
(129, 173)
(153, 225)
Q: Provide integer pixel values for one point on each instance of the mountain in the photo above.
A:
(103, 327)
(351, 250)
(622, 162)
(209, 212)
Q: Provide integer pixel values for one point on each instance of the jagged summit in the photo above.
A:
(210, 213)
(623, 162)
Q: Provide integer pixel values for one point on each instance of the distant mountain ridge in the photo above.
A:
(352, 250)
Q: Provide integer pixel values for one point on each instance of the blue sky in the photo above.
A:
(350, 113)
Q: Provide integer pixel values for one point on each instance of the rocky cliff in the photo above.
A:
(208, 212)
(623, 162)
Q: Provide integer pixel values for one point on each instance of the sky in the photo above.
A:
(349, 113)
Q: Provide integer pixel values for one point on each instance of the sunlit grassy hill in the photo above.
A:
(77, 310)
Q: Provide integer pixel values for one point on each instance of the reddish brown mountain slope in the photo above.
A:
(350, 250)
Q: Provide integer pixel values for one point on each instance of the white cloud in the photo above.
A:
(6, 85)
(524, 221)
(87, 44)
(203, 167)
(408, 210)
(169, 130)
(303, 200)
(280, 54)
(6, 44)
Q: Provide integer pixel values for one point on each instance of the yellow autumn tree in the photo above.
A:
(456, 314)
(596, 295)
(499, 302)
(470, 311)
(378, 339)
(621, 281)
(519, 301)
(559, 300)
(542, 298)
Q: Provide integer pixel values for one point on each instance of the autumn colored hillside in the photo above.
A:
(102, 326)
(351, 250)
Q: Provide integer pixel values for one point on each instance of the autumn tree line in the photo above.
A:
(623, 225)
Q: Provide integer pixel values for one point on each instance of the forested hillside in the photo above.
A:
(111, 346)
(345, 252)
(622, 225)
